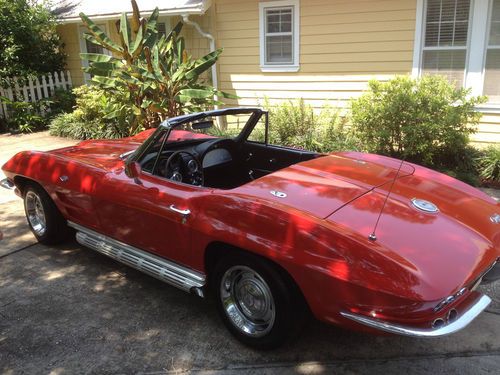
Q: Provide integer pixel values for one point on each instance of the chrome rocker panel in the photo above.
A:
(463, 321)
(164, 270)
(7, 184)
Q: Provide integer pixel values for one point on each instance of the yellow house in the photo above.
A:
(323, 50)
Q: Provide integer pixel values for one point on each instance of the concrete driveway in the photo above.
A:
(67, 310)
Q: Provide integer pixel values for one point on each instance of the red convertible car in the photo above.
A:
(358, 240)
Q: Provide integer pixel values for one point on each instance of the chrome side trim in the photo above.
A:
(162, 269)
(7, 184)
(463, 321)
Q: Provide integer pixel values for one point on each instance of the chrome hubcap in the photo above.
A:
(35, 213)
(247, 301)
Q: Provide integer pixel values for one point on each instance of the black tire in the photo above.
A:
(55, 229)
(290, 309)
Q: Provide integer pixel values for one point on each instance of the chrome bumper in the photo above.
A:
(7, 184)
(463, 321)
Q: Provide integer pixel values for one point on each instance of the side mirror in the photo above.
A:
(133, 170)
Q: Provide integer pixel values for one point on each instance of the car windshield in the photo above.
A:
(220, 126)
(222, 123)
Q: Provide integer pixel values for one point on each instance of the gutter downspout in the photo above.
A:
(215, 83)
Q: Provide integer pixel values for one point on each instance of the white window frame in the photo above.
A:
(477, 43)
(83, 47)
(263, 6)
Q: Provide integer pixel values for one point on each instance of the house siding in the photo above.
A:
(343, 44)
(70, 37)
(488, 130)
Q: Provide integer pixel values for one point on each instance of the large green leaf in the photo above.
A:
(156, 63)
(153, 20)
(181, 49)
(188, 95)
(101, 68)
(107, 82)
(226, 95)
(100, 36)
(125, 30)
(203, 64)
(97, 57)
(139, 41)
(136, 17)
(174, 33)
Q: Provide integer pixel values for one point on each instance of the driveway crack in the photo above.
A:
(17, 251)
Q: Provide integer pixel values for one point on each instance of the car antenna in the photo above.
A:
(373, 235)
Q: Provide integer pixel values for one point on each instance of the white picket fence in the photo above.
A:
(34, 89)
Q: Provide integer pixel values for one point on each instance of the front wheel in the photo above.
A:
(44, 218)
(256, 302)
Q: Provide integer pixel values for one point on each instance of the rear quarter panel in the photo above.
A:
(333, 271)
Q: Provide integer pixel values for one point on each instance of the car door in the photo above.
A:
(148, 212)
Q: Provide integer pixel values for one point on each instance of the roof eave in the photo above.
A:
(194, 10)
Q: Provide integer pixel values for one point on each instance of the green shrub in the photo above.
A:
(25, 117)
(294, 124)
(460, 164)
(29, 43)
(488, 163)
(62, 101)
(419, 119)
(97, 114)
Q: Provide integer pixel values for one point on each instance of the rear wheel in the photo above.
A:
(255, 301)
(44, 218)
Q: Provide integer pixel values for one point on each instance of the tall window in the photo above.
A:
(492, 66)
(279, 35)
(461, 40)
(446, 31)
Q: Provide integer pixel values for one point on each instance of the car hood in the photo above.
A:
(103, 153)
(325, 184)
(434, 254)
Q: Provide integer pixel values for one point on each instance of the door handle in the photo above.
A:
(183, 213)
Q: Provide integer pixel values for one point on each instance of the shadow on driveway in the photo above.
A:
(71, 310)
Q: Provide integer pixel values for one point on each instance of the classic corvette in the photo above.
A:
(273, 233)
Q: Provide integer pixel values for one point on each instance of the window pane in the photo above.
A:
(495, 24)
(460, 35)
(447, 23)
(93, 48)
(279, 49)
(279, 20)
(492, 75)
(446, 34)
(448, 63)
(162, 30)
(447, 10)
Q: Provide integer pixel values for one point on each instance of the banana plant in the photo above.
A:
(160, 77)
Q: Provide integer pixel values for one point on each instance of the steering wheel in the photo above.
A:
(177, 169)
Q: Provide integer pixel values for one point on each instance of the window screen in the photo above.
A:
(279, 35)
(492, 67)
(446, 36)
